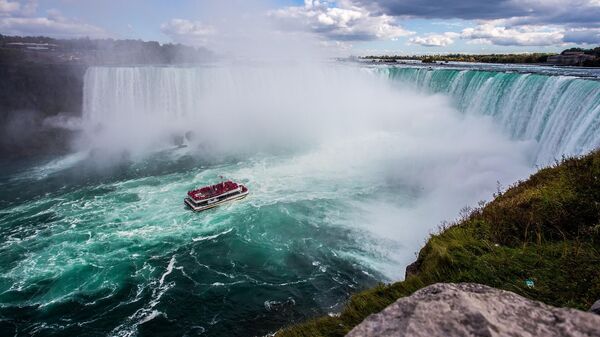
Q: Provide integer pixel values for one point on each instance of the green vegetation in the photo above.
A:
(545, 229)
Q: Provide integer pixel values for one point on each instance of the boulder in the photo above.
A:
(469, 309)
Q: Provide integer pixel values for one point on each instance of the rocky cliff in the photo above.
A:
(30, 94)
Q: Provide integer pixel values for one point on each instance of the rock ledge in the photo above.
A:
(469, 309)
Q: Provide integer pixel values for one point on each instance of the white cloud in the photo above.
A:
(9, 7)
(188, 32)
(341, 21)
(488, 33)
(18, 8)
(493, 32)
(54, 25)
(505, 22)
(435, 40)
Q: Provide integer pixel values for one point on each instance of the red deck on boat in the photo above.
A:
(208, 192)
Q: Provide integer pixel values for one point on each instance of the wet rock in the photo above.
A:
(469, 309)
(596, 307)
(412, 269)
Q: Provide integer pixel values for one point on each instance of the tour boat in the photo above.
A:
(214, 195)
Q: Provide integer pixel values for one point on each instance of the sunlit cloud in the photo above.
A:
(340, 21)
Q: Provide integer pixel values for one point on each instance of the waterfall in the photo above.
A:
(561, 113)
(122, 94)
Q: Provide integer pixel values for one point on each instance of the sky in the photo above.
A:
(353, 27)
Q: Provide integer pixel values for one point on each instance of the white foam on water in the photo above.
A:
(147, 313)
(210, 237)
(168, 271)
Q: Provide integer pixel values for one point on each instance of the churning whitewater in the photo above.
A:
(350, 168)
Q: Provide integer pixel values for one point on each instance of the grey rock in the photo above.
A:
(468, 309)
(596, 307)
(412, 269)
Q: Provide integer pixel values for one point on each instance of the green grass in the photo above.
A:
(546, 229)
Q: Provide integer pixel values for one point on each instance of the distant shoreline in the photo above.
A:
(589, 58)
(491, 58)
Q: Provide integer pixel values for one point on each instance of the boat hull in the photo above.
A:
(197, 208)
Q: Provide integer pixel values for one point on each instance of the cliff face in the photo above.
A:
(469, 309)
(47, 88)
(540, 239)
(29, 95)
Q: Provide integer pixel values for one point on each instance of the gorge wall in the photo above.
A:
(29, 95)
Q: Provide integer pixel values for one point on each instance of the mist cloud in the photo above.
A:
(317, 125)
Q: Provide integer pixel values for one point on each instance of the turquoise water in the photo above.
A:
(348, 173)
(120, 255)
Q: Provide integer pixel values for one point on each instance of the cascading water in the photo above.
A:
(221, 105)
(348, 174)
(561, 113)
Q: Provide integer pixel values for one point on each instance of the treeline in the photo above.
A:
(592, 51)
(40, 49)
(531, 58)
(490, 58)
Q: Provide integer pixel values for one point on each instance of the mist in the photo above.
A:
(302, 125)
(326, 127)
